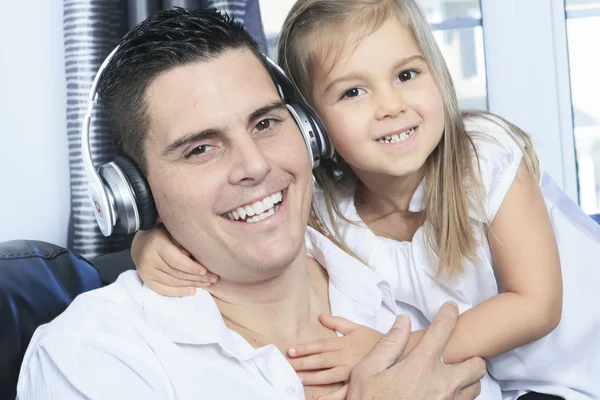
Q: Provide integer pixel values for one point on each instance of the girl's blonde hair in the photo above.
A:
(318, 30)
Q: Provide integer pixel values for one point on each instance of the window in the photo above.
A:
(458, 31)
(583, 27)
(273, 13)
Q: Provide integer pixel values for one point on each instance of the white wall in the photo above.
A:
(34, 177)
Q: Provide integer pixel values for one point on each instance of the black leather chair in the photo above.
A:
(37, 282)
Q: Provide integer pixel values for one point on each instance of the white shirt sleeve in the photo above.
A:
(66, 366)
(499, 160)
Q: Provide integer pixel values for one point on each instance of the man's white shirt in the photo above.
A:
(125, 341)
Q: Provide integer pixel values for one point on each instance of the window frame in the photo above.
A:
(532, 88)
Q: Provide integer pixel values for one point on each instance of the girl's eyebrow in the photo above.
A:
(408, 60)
(349, 77)
(358, 76)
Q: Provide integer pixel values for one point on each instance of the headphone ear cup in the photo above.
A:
(143, 196)
(308, 132)
(327, 150)
(307, 119)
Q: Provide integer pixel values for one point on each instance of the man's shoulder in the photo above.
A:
(104, 307)
(102, 333)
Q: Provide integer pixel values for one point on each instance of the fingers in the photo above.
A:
(317, 346)
(155, 250)
(186, 278)
(180, 247)
(326, 377)
(317, 361)
(172, 256)
(469, 372)
(167, 279)
(469, 393)
(171, 291)
(387, 350)
(338, 324)
(337, 395)
(439, 333)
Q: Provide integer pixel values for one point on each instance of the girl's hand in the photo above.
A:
(165, 266)
(331, 360)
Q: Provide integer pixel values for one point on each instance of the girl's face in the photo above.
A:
(381, 105)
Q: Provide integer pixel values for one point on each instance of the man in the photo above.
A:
(193, 105)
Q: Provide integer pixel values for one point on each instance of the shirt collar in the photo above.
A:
(196, 319)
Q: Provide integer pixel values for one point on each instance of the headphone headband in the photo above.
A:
(104, 209)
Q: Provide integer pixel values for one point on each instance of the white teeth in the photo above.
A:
(277, 197)
(262, 216)
(268, 202)
(399, 137)
(258, 210)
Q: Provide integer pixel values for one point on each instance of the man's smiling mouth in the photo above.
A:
(258, 210)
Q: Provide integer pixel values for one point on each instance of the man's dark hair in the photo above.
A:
(167, 39)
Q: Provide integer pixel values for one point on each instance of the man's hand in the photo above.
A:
(420, 376)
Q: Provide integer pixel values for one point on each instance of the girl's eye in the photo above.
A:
(264, 125)
(200, 150)
(354, 92)
(407, 75)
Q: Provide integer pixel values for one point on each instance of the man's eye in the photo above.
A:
(407, 75)
(265, 124)
(354, 92)
(199, 150)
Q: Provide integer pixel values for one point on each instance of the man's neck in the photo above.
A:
(282, 311)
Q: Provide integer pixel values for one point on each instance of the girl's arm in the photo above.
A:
(165, 266)
(526, 255)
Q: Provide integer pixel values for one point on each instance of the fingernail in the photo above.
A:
(191, 291)
(401, 321)
(292, 353)
(202, 272)
(453, 304)
(213, 279)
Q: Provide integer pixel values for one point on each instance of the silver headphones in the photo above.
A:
(122, 201)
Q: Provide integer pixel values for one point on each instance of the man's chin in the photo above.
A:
(267, 260)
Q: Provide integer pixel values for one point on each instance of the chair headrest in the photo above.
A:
(37, 282)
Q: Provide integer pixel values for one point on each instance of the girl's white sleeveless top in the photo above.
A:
(566, 362)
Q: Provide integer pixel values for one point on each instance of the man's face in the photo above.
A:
(228, 167)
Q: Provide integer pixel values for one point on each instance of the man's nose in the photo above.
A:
(389, 103)
(250, 166)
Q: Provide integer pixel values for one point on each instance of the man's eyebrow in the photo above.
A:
(277, 105)
(358, 76)
(212, 132)
(191, 138)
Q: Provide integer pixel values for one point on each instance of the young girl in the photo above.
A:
(444, 205)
